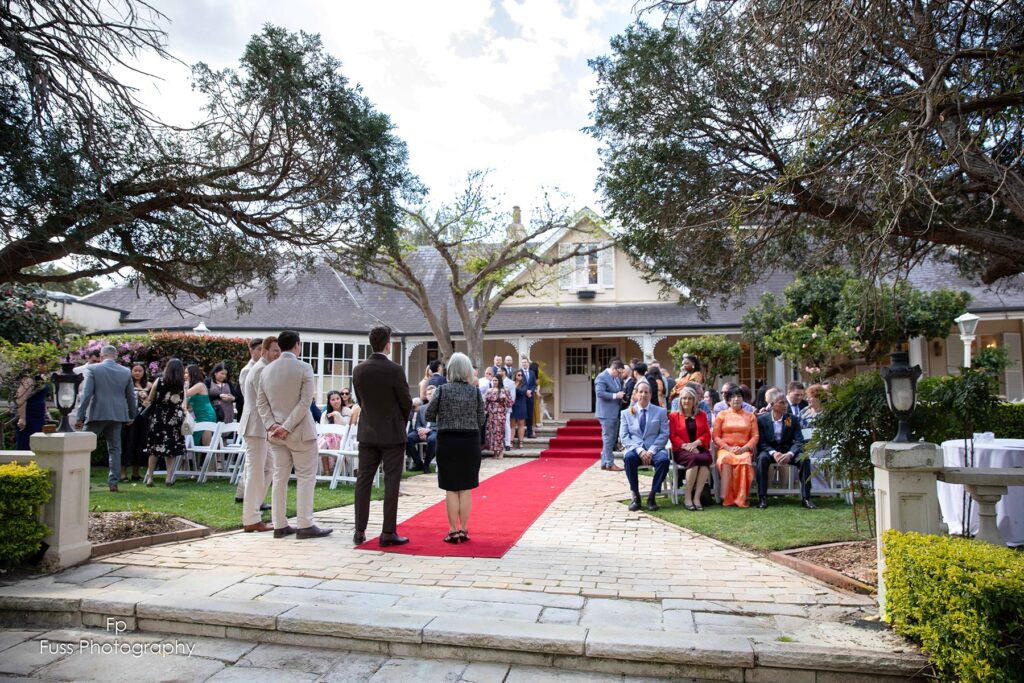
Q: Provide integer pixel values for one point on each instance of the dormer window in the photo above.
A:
(585, 271)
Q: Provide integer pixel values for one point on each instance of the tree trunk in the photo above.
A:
(475, 345)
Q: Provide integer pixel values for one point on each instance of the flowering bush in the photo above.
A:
(152, 350)
(24, 317)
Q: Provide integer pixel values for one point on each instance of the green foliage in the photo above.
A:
(718, 355)
(954, 406)
(1007, 421)
(856, 415)
(204, 350)
(23, 489)
(962, 600)
(24, 317)
(992, 360)
(288, 152)
(17, 360)
(765, 134)
(829, 318)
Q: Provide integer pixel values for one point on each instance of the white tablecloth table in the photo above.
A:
(1009, 511)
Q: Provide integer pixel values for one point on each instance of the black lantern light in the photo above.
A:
(66, 384)
(901, 391)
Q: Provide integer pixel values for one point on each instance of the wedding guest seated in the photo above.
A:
(735, 434)
(781, 442)
(724, 403)
(422, 431)
(767, 399)
(644, 431)
(691, 439)
(817, 395)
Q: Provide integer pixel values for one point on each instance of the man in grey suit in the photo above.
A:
(282, 400)
(608, 387)
(108, 403)
(259, 466)
(644, 433)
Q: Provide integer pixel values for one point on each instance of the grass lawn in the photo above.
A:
(785, 524)
(211, 504)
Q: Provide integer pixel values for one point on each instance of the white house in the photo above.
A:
(597, 309)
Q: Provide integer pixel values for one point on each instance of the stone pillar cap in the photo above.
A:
(921, 456)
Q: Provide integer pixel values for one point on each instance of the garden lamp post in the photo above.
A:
(66, 394)
(901, 391)
(201, 328)
(967, 323)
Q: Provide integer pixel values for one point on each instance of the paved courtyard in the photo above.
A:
(586, 543)
(571, 595)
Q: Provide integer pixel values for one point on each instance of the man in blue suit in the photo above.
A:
(108, 404)
(530, 383)
(608, 388)
(644, 433)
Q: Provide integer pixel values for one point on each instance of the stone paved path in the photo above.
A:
(586, 543)
(56, 656)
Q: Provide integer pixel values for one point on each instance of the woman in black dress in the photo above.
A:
(166, 417)
(31, 396)
(458, 411)
(134, 435)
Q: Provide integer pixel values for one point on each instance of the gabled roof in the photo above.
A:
(323, 300)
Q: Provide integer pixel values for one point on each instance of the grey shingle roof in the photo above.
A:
(325, 301)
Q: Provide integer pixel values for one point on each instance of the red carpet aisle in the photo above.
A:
(505, 505)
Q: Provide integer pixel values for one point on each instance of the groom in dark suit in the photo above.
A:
(781, 442)
(384, 396)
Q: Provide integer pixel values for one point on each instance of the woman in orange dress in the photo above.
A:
(736, 437)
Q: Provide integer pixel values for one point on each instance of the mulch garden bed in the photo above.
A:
(857, 560)
(117, 526)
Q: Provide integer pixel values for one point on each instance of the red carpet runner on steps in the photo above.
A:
(505, 505)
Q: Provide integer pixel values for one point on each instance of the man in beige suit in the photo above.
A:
(259, 466)
(282, 399)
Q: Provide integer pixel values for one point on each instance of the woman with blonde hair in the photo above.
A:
(457, 410)
(691, 439)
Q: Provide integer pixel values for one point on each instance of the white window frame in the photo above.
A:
(574, 278)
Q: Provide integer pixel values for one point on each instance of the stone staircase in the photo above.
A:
(673, 639)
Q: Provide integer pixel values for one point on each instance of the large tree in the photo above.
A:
(288, 158)
(830, 320)
(481, 258)
(758, 133)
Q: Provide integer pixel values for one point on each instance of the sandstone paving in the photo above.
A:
(586, 565)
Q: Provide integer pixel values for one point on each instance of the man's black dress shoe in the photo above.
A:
(806, 502)
(392, 539)
(239, 500)
(312, 532)
(634, 503)
(762, 503)
(285, 531)
(358, 538)
(264, 506)
(652, 505)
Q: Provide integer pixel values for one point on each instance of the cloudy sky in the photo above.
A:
(500, 85)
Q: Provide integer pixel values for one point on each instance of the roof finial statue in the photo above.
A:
(516, 231)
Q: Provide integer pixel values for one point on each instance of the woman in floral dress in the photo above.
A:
(167, 414)
(496, 403)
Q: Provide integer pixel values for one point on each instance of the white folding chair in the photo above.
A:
(200, 455)
(336, 453)
(190, 464)
(227, 442)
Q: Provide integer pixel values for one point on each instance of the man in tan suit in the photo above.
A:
(259, 466)
(282, 399)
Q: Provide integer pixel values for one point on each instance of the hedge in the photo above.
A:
(23, 489)
(961, 600)
(151, 350)
(1007, 421)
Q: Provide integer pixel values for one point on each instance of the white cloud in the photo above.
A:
(469, 85)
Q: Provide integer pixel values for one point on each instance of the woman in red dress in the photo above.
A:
(691, 438)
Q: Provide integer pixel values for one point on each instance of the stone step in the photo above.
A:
(519, 627)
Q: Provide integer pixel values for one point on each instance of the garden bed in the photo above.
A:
(850, 565)
(112, 532)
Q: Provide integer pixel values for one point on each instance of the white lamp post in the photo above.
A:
(968, 323)
(201, 328)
